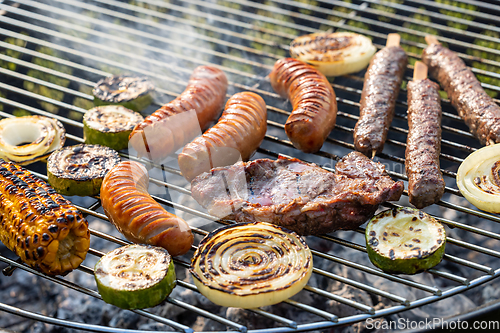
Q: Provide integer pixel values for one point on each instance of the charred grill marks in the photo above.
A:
(320, 202)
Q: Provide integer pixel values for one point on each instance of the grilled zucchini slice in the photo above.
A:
(130, 91)
(405, 241)
(135, 276)
(79, 170)
(110, 125)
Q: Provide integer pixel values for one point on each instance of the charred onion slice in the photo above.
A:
(25, 140)
(110, 125)
(405, 241)
(130, 91)
(249, 265)
(79, 170)
(334, 54)
(478, 178)
(135, 276)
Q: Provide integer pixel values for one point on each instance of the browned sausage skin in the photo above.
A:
(425, 180)
(238, 133)
(159, 136)
(380, 90)
(313, 101)
(474, 105)
(125, 200)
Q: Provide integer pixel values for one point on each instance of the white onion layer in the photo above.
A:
(478, 178)
(24, 139)
(334, 54)
(249, 265)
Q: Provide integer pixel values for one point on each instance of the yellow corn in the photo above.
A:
(43, 228)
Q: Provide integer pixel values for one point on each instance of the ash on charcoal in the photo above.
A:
(248, 318)
(207, 325)
(125, 319)
(155, 327)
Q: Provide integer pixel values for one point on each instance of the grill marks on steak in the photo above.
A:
(300, 196)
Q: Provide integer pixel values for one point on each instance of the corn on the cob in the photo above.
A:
(43, 228)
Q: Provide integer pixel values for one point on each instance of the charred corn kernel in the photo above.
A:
(43, 228)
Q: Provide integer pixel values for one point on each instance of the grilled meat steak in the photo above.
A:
(299, 196)
(474, 105)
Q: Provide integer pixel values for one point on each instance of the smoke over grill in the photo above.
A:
(52, 52)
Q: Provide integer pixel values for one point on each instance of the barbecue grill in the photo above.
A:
(52, 52)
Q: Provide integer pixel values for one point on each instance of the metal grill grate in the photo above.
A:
(53, 51)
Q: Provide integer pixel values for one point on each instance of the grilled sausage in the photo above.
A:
(313, 101)
(125, 200)
(159, 135)
(238, 134)
(380, 90)
(474, 105)
(425, 181)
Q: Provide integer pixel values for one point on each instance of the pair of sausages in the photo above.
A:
(313, 101)
(179, 121)
(382, 83)
(236, 136)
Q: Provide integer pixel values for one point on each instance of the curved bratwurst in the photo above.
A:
(125, 200)
(159, 136)
(313, 100)
(238, 133)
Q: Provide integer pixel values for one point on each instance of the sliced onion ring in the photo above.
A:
(25, 139)
(478, 178)
(249, 265)
(334, 54)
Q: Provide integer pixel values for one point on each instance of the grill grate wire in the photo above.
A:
(61, 30)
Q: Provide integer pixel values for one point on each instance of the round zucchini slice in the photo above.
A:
(129, 91)
(135, 276)
(79, 170)
(405, 241)
(110, 125)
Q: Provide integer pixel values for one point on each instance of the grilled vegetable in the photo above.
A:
(135, 276)
(334, 54)
(478, 178)
(251, 264)
(44, 229)
(80, 169)
(25, 140)
(109, 126)
(405, 241)
(131, 92)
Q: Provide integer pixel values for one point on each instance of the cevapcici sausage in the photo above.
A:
(425, 181)
(313, 101)
(125, 200)
(380, 90)
(159, 134)
(474, 105)
(237, 134)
